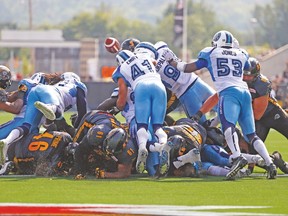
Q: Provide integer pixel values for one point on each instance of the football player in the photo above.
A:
(138, 71)
(226, 65)
(50, 101)
(190, 89)
(41, 154)
(267, 112)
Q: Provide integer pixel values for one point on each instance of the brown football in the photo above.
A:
(112, 45)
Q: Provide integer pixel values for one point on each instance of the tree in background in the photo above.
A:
(272, 21)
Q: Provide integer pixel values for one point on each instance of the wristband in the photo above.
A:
(181, 66)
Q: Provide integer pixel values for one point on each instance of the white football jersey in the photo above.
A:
(136, 69)
(129, 110)
(176, 81)
(68, 93)
(225, 66)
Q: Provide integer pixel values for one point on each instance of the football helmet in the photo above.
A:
(97, 134)
(222, 39)
(146, 48)
(186, 121)
(39, 77)
(115, 142)
(254, 70)
(129, 44)
(70, 77)
(160, 45)
(5, 77)
(215, 136)
(122, 56)
(179, 146)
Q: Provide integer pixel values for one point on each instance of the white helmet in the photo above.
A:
(160, 45)
(122, 56)
(39, 77)
(146, 48)
(236, 43)
(222, 39)
(70, 76)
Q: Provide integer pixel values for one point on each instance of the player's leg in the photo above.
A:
(246, 121)
(195, 96)
(48, 101)
(142, 114)
(229, 111)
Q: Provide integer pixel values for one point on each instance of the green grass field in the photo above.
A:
(254, 191)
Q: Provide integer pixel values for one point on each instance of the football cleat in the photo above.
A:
(238, 164)
(271, 171)
(279, 162)
(165, 158)
(141, 160)
(7, 168)
(46, 109)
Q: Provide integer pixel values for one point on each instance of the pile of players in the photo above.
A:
(152, 82)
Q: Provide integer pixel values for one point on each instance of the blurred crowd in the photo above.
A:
(280, 87)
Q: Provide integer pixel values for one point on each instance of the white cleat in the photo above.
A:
(141, 160)
(46, 110)
(165, 158)
(7, 168)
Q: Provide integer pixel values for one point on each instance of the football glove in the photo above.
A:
(3, 95)
(80, 177)
(100, 174)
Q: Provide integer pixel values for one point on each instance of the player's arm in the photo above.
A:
(122, 97)
(81, 105)
(209, 103)
(12, 96)
(124, 171)
(207, 106)
(15, 106)
(259, 106)
(107, 104)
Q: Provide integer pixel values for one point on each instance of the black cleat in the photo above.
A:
(279, 162)
(271, 171)
(238, 164)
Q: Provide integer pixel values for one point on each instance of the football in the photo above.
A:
(112, 45)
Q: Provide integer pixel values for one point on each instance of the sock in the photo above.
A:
(260, 147)
(14, 134)
(161, 135)
(217, 171)
(232, 142)
(257, 159)
(142, 138)
(156, 147)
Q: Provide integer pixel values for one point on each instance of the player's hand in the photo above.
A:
(114, 110)
(80, 177)
(3, 95)
(169, 56)
(100, 174)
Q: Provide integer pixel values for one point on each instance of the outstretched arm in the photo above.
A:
(122, 97)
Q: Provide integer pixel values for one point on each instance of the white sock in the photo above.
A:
(142, 138)
(162, 136)
(253, 158)
(156, 147)
(260, 147)
(232, 142)
(217, 171)
(14, 134)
